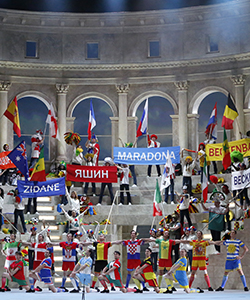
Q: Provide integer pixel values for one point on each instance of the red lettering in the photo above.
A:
(232, 148)
(211, 152)
(217, 152)
(244, 148)
(238, 148)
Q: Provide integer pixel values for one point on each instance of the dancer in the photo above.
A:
(233, 259)
(15, 273)
(152, 143)
(178, 273)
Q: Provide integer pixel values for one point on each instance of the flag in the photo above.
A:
(51, 120)
(19, 157)
(92, 121)
(38, 174)
(12, 114)
(226, 159)
(204, 183)
(157, 211)
(168, 173)
(212, 123)
(142, 128)
(230, 114)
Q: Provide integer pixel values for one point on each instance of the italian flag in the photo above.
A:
(38, 173)
(204, 183)
(157, 211)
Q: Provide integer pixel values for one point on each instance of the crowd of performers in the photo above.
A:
(86, 254)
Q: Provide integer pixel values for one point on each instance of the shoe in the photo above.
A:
(7, 289)
(97, 289)
(30, 291)
(120, 204)
(65, 290)
(210, 289)
(104, 291)
(98, 204)
(94, 195)
(20, 288)
(174, 289)
(74, 291)
(246, 289)
(38, 289)
(168, 292)
(130, 203)
(36, 213)
(134, 185)
(2, 290)
(145, 289)
(138, 291)
(220, 289)
(113, 289)
(200, 290)
(28, 213)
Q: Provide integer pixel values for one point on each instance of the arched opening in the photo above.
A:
(102, 130)
(159, 120)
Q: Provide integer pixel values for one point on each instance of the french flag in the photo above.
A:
(212, 123)
(142, 128)
(92, 122)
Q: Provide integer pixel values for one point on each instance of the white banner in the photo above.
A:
(240, 179)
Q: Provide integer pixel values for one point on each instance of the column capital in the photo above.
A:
(182, 85)
(238, 79)
(122, 88)
(4, 85)
(62, 88)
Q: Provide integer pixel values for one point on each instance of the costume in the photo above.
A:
(148, 274)
(69, 255)
(125, 185)
(212, 141)
(184, 204)
(154, 254)
(35, 147)
(85, 275)
(133, 253)
(85, 191)
(45, 274)
(165, 250)
(233, 249)
(153, 144)
(188, 248)
(187, 169)
(199, 254)
(77, 157)
(101, 255)
(39, 249)
(180, 274)
(19, 275)
(1, 207)
(115, 276)
(171, 186)
(10, 250)
(18, 212)
(95, 149)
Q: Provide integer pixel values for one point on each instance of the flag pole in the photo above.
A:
(152, 223)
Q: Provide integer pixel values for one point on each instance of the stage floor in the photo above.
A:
(180, 294)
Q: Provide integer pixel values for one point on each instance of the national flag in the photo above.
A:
(204, 183)
(51, 120)
(12, 114)
(212, 123)
(168, 173)
(142, 128)
(226, 159)
(92, 121)
(38, 174)
(157, 211)
(230, 114)
(19, 157)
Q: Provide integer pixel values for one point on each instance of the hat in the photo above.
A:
(39, 131)
(216, 199)
(189, 157)
(185, 187)
(89, 155)
(154, 135)
(192, 227)
(90, 231)
(108, 160)
(152, 230)
(33, 228)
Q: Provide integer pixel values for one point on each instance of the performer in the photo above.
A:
(199, 257)
(89, 162)
(154, 248)
(124, 184)
(94, 148)
(15, 273)
(1, 207)
(152, 143)
(178, 273)
(233, 259)
(144, 273)
(43, 273)
(36, 142)
(32, 240)
(19, 204)
(184, 204)
(5, 173)
(112, 274)
(187, 166)
(187, 247)
(82, 272)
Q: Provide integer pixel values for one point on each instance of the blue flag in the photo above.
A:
(19, 158)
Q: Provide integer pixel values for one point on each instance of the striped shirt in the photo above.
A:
(233, 248)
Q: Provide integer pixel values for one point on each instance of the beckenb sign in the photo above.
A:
(91, 174)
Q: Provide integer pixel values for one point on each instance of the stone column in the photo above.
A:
(175, 130)
(247, 119)
(131, 129)
(182, 87)
(62, 90)
(4, 87)
(193, 120)
(122, 90)
(114, 132)
(239, 81)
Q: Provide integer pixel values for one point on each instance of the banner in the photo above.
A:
(5, 162)
(91, 174)
(146, 156)
(31, 189)
(240, 179)
(214, 151)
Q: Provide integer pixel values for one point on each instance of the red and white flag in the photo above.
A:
(51, 120)
(204, 183)
(92, 121)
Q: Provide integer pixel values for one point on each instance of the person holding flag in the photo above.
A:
(36, 143)
(152, 143)
(184, 204)
(93, 148)
(167, 179)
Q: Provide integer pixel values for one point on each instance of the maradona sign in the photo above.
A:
(146, 156)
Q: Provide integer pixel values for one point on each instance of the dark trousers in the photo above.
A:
(171, 191)
(132, 170)
(4, 177)
(31, 254)
(216, 237)
(34, 204)
(109, 185)
(157, 168)
(176, 252)
(87, 186)
(185, 213)
(19, 213)
(244, 194)
(122, 188)
(228, 221)
(190, 258)
(1, 218)
(154, 256)
(188, 181)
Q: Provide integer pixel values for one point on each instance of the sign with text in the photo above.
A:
(91, 174)
(31, 189)
(5, 162)
(240, 179)
(146, 156)
(214, 151)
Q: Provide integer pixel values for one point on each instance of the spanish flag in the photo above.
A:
(12, 114)
(226, 159)
(230, 114)
(38, 173)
